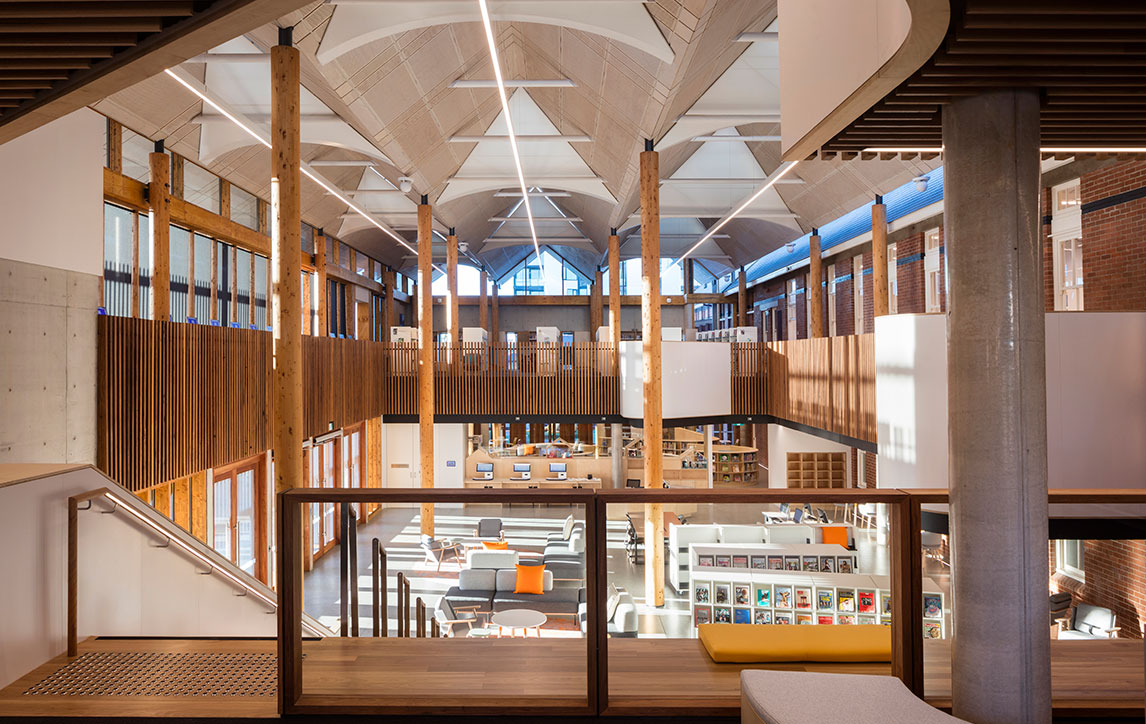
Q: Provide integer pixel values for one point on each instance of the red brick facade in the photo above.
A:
(1113, 248)
(1115, 579)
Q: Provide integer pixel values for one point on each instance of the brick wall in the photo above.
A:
(845, 301)
(1114, 240)
(1048, 247)
(909, 275)
(868, 293)
(1115, 579)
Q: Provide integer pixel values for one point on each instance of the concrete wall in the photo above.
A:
(51, 264)
(783, 440)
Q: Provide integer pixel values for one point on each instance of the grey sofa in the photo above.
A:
(623, 621)
(1090, 622)
(566, 556)
(492, 591)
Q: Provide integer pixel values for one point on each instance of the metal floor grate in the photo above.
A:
(128, 673)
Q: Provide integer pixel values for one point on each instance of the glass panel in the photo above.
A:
(244, 208)
(245, 519)
(200, 187)
(261, 292)
(223, 518)
(362, 264)
(203, 278)
(225, 265)
(243, 284)
(136, 154)
(307, 238)
(315, 509)
(180, 243)
(117, 245)
(144, 265)
(328, 481)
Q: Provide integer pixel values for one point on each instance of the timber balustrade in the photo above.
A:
(175, 399)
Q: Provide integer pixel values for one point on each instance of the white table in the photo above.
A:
(519, 618)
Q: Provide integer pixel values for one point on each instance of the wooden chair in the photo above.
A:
(448, 616)
(438, 551)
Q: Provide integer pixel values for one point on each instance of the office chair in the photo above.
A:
(823, 516)
(797, 515)
(633, 542)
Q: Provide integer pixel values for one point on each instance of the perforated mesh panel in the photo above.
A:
(126, 673)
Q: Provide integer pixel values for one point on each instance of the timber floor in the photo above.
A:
(204, 678)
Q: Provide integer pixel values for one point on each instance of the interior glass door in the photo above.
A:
(245, 519)
(223, 490)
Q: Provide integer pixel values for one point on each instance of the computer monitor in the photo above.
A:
(522, 469)
(632, 483)
(485, 471)
(558, 470)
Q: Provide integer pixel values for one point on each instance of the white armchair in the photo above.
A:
(1090, 622)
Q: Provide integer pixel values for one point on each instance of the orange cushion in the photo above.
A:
(530, 579)
(495, 545)
(835, 534)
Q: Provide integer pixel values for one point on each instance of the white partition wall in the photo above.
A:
(696, 379)
(1096, 399)
(783, 440)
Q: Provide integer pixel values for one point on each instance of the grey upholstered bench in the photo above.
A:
(799, 697)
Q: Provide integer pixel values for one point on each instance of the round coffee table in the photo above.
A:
(519, 618)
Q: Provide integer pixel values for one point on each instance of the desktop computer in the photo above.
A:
(522, 471)
(484, 471)
(557, 471)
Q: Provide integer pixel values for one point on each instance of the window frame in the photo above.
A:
(1061, 565)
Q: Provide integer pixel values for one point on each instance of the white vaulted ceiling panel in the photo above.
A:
(246, 86)
(548, 164)
(354, 25)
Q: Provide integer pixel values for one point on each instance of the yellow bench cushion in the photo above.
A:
(746, 643)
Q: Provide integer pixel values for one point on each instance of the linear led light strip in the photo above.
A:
(509, 129)
(779, 174)
(306, 171)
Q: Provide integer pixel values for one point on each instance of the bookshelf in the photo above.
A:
(817, 470)
(734, 464)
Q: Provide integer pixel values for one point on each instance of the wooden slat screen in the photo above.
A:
(749, 378)
(177, 398)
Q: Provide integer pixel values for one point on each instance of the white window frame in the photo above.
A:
(857, 293)
(831, 300)
(808, 305)
(892, 279)
(1066, 235)
(1061, 547)
(933, 281)
(791, 309)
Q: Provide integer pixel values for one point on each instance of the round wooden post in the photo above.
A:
(879, 257)
(286, 255)
(651, 362)
(388, 305)
(426, 347)
(453, 324)
(159, 201)
(483, 301)
(814, 290)
(320, 292)
(615, 302)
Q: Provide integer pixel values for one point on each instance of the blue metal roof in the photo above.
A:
(900, 202)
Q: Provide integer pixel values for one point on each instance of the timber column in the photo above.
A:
(426, 346)
(618, 460)
(996, 397)
(452, 322)
(286, 254)
(388, 303)
(159, 201)
(879, 258)
(483, 301)
(651, 363)
(320, 282)
(493, 329)
(815, 290)
(595, 306)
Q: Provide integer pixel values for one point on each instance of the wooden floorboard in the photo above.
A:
(467, 676)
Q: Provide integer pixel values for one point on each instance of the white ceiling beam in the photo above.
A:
(729, 139)
(533, 195)
(521, 139)
(264, 117)
(357, 163)
(503, 219)
(537, 83)
(734, 119)
(767, 35)
(230, 58)
(717, 213)
(533, 181)
(541, 239)
(726, 181)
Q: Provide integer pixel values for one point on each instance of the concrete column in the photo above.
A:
(815, 290)
(996, 392)
(879, 297)
(286, 257)
(618, 456)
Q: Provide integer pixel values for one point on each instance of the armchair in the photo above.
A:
(447, 615)
(1090, 622)
(438, 551)
(489, 529)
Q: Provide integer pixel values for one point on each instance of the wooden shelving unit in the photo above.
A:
(817, 470)
(734, 464)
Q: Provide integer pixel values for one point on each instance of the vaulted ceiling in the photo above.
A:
(393, 89)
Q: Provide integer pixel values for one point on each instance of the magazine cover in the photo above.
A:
(760, 563)
(783, 596)
(845, 599)
(781, 617)
(723, 593)
(827, 564)
(811, 564)
(743, 594)
(775, 563)
(791, 563)
(885, 603)
(739, 561)
(741, 615)
(845, 619)
(703, 615)
(701, 593)
(826, 619)
(763, 617)
(825, 599)
(932, 630)
(803, 598)
(763, 595)
(723, 562)
(865, 601)
(844, 564)
(705, 561)
(932, 608)
(722, 614)
(804, 619)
